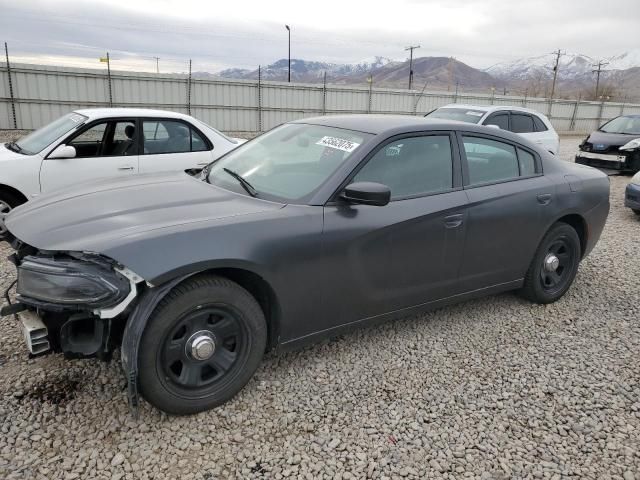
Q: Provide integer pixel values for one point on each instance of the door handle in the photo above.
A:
(453, 221)
(125, 167)
(544, 198)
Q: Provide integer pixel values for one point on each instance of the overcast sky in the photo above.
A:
(218, 34)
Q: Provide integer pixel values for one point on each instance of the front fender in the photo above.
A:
(133, 333)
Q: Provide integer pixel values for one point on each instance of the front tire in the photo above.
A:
(554, 265)
(9, 201)
(637, 212)
(201, 346)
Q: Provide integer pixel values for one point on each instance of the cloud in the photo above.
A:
(220, 34)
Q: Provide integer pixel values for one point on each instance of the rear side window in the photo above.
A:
(171, 136)
(411, 166)
(490, 161)
(521, 123)
(539, 124)
(527, 163)
(499, 119)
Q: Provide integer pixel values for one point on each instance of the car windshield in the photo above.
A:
(625, 125)
(459, 114)
(289, 163)
(37, 141)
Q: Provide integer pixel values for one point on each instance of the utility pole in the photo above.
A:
(109, 80)
(157, 64)
(450, 72)
(411, 49)
(558, 53)
(598, 71)
(289, 30)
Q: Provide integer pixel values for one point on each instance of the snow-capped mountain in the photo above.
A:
(307, 71)
(531, 76)
(572, 66)
(630, 59)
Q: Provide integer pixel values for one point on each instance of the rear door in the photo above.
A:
(104, 149)
(544, 137)
(500, 119)
(508, 197)
(173, 145)
(523, 124)
(408, 252)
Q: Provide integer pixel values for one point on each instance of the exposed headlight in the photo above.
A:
(70, 282)
(632, 145)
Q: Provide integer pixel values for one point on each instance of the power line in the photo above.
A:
(411, 49)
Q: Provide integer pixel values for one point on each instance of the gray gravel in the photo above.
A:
(490, 389)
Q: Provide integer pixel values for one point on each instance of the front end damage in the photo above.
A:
(81, 304)
(76, 303)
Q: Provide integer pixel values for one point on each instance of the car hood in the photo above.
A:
(608, 139)
(99, 215)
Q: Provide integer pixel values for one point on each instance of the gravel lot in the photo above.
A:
(490, 389)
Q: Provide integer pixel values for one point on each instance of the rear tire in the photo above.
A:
(637, 212)
(201, 346)
(554, 265)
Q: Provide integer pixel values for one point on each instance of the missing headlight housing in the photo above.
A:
(70, 282)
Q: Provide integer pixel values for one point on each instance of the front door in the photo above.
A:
(104, 149)
(384, 259)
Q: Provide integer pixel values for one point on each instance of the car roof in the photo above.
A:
(395, 124)
(492, 108)
(94, 113)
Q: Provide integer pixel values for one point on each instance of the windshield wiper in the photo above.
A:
(245, 184)
(14, 147)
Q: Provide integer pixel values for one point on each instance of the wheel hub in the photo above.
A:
(201, 346)
(551, 262)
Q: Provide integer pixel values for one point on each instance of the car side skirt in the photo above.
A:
(397, 314)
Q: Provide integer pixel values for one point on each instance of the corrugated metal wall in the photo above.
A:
(43, 93)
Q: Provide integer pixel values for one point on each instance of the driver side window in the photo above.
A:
(106, 139)
(89, 142)
(411, 166)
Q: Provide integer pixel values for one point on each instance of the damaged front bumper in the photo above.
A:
(71, 302)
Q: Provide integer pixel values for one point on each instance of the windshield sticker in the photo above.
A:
(76, 118)
(475, 114)
(393, 150)
(338, 143)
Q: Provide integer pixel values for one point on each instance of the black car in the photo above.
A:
(317, 226)
(615, 145)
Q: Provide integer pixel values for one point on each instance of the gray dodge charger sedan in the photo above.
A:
(317, 226)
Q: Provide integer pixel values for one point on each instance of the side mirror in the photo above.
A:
(367, 193)
(491, 125)
(63, 151)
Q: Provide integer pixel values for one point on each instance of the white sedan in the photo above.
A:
(532, 125)
(105, 142)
